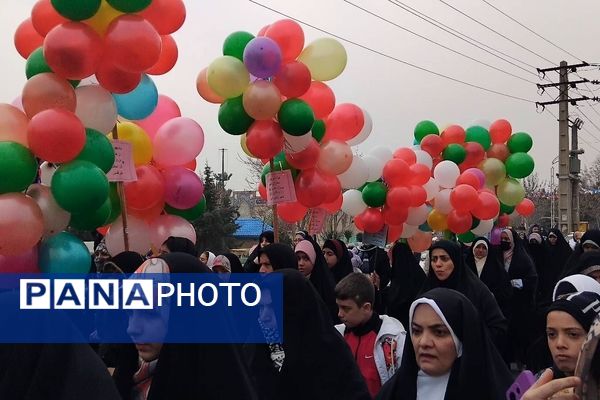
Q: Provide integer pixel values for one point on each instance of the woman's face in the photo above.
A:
(552, 239)
(264, 242)
(330, 257)
(441, 263)
(145, 324)
(589, 247)
(480, 251)
(204, 257)
(434, 347)
(297, 239)
(304, 264)
(565, 338)
(265, 264)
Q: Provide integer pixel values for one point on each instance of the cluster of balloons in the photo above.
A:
(465, 182)
(69, 125)
(272, 93)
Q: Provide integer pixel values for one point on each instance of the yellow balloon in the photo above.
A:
(510, 192)
(103, 17)
(326, 59)
(494, 171)
(228, 77)
(141, 145)
(437, 221)
(245, 147)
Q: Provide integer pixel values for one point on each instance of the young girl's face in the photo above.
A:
(565, 338)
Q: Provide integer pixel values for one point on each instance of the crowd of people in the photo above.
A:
(360, 322)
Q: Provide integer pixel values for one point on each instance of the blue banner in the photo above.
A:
(141, 308)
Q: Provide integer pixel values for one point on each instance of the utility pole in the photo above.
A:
(568, 162)
(223, 177)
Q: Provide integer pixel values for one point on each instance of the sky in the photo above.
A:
(396, 95)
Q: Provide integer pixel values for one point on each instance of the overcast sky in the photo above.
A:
(397, 96)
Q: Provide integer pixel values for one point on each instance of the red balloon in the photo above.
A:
(147, 191)
(262, 191)
(45, 91)
(396, 172)
(463, 198)
(293, 79)
(148, 214)
(334, 206)
(372, 220)
(264, 139)
(310, 188)
(394, 216)
(168, 56)
(103, 230)
(526, 208)
(468, 178)
(115, 80)
(56, 135)
(306, 158)
(418, 195)
(191, 165)
(44, 17)
(27, 39)
(500, 131)
(432, 144)
(132, 43)
(487, 206)
(345, 122)
(504, 220)
(499, 151)
(263, 30)
(289, 36)
(475, 154)
(291, 212)
(167, 16)
(453, 134)
(73, 50)
(419, 174)
(394, 233)
(333, 187)
(406, 154)
(398, 197)
(459, 222)
(358, 222)
(320, 98)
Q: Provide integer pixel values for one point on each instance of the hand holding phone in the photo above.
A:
(524, 381)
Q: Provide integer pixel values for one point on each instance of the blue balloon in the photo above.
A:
(64, 253)
(140, 102)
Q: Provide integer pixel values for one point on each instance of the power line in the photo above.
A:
(472, 41)
(530, 30)
(495, 31)
(392, 57)
(588, 118)
(436, 43)
(583, 128)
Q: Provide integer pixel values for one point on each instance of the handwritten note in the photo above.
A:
(280, 187)
(378, 239)
(123, 169)
(317, 220)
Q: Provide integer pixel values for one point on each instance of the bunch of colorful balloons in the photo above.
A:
(272, 93)
(460, 181)
(69, 127)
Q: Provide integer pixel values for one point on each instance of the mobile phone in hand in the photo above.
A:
(524, 381)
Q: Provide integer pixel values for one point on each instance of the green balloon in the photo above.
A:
(235, 44)
(449, 235)
(504, 209)
(425, 227)
(374, 194)
(454, 152)
(79, 186)
(18, 167)
(115, 203)
(129, 6)
(480, 135)
(519, 165)
(36, 64)
(233, 118)
(466, 237)
(425, 128)
(97, 150)
(475, 223)
(318, 130)
(90, 220)
(191, 214)
(77, 10)
(296, 117)
(520, 142)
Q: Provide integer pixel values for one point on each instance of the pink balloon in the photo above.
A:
(24, 263)
(166, 109)
(21, 225)
(170, 225)
(138, 234)
(183, 188)
(178, 142)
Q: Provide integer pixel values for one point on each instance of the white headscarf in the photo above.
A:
(479, 262)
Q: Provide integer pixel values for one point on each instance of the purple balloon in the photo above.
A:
(495, 235)
(183, 188)
(479, 174)
(262, 57)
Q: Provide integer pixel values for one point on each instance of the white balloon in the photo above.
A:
(138, 234)
(55, 218)
(375, 166)
(446, 173)
(432, 188)
(295, 144)
(382, 153)
(423, 157)
(485, 226)
(46, 172)
(353, 203)
(408, 231)
(355, 176)
(96, 108)
(417, 215)
(365, 131)
(442, 201)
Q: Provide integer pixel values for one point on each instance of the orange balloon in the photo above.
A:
(27, 39)
(168, 56)
(45, 91)
(44, 17)
(420, 241)
(21, 225)
(13, 124)
(262, 100)
(205, 91)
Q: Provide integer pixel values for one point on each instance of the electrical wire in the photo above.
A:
(380, 53)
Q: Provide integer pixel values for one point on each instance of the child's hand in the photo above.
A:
(558, 389)
(375, 279)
